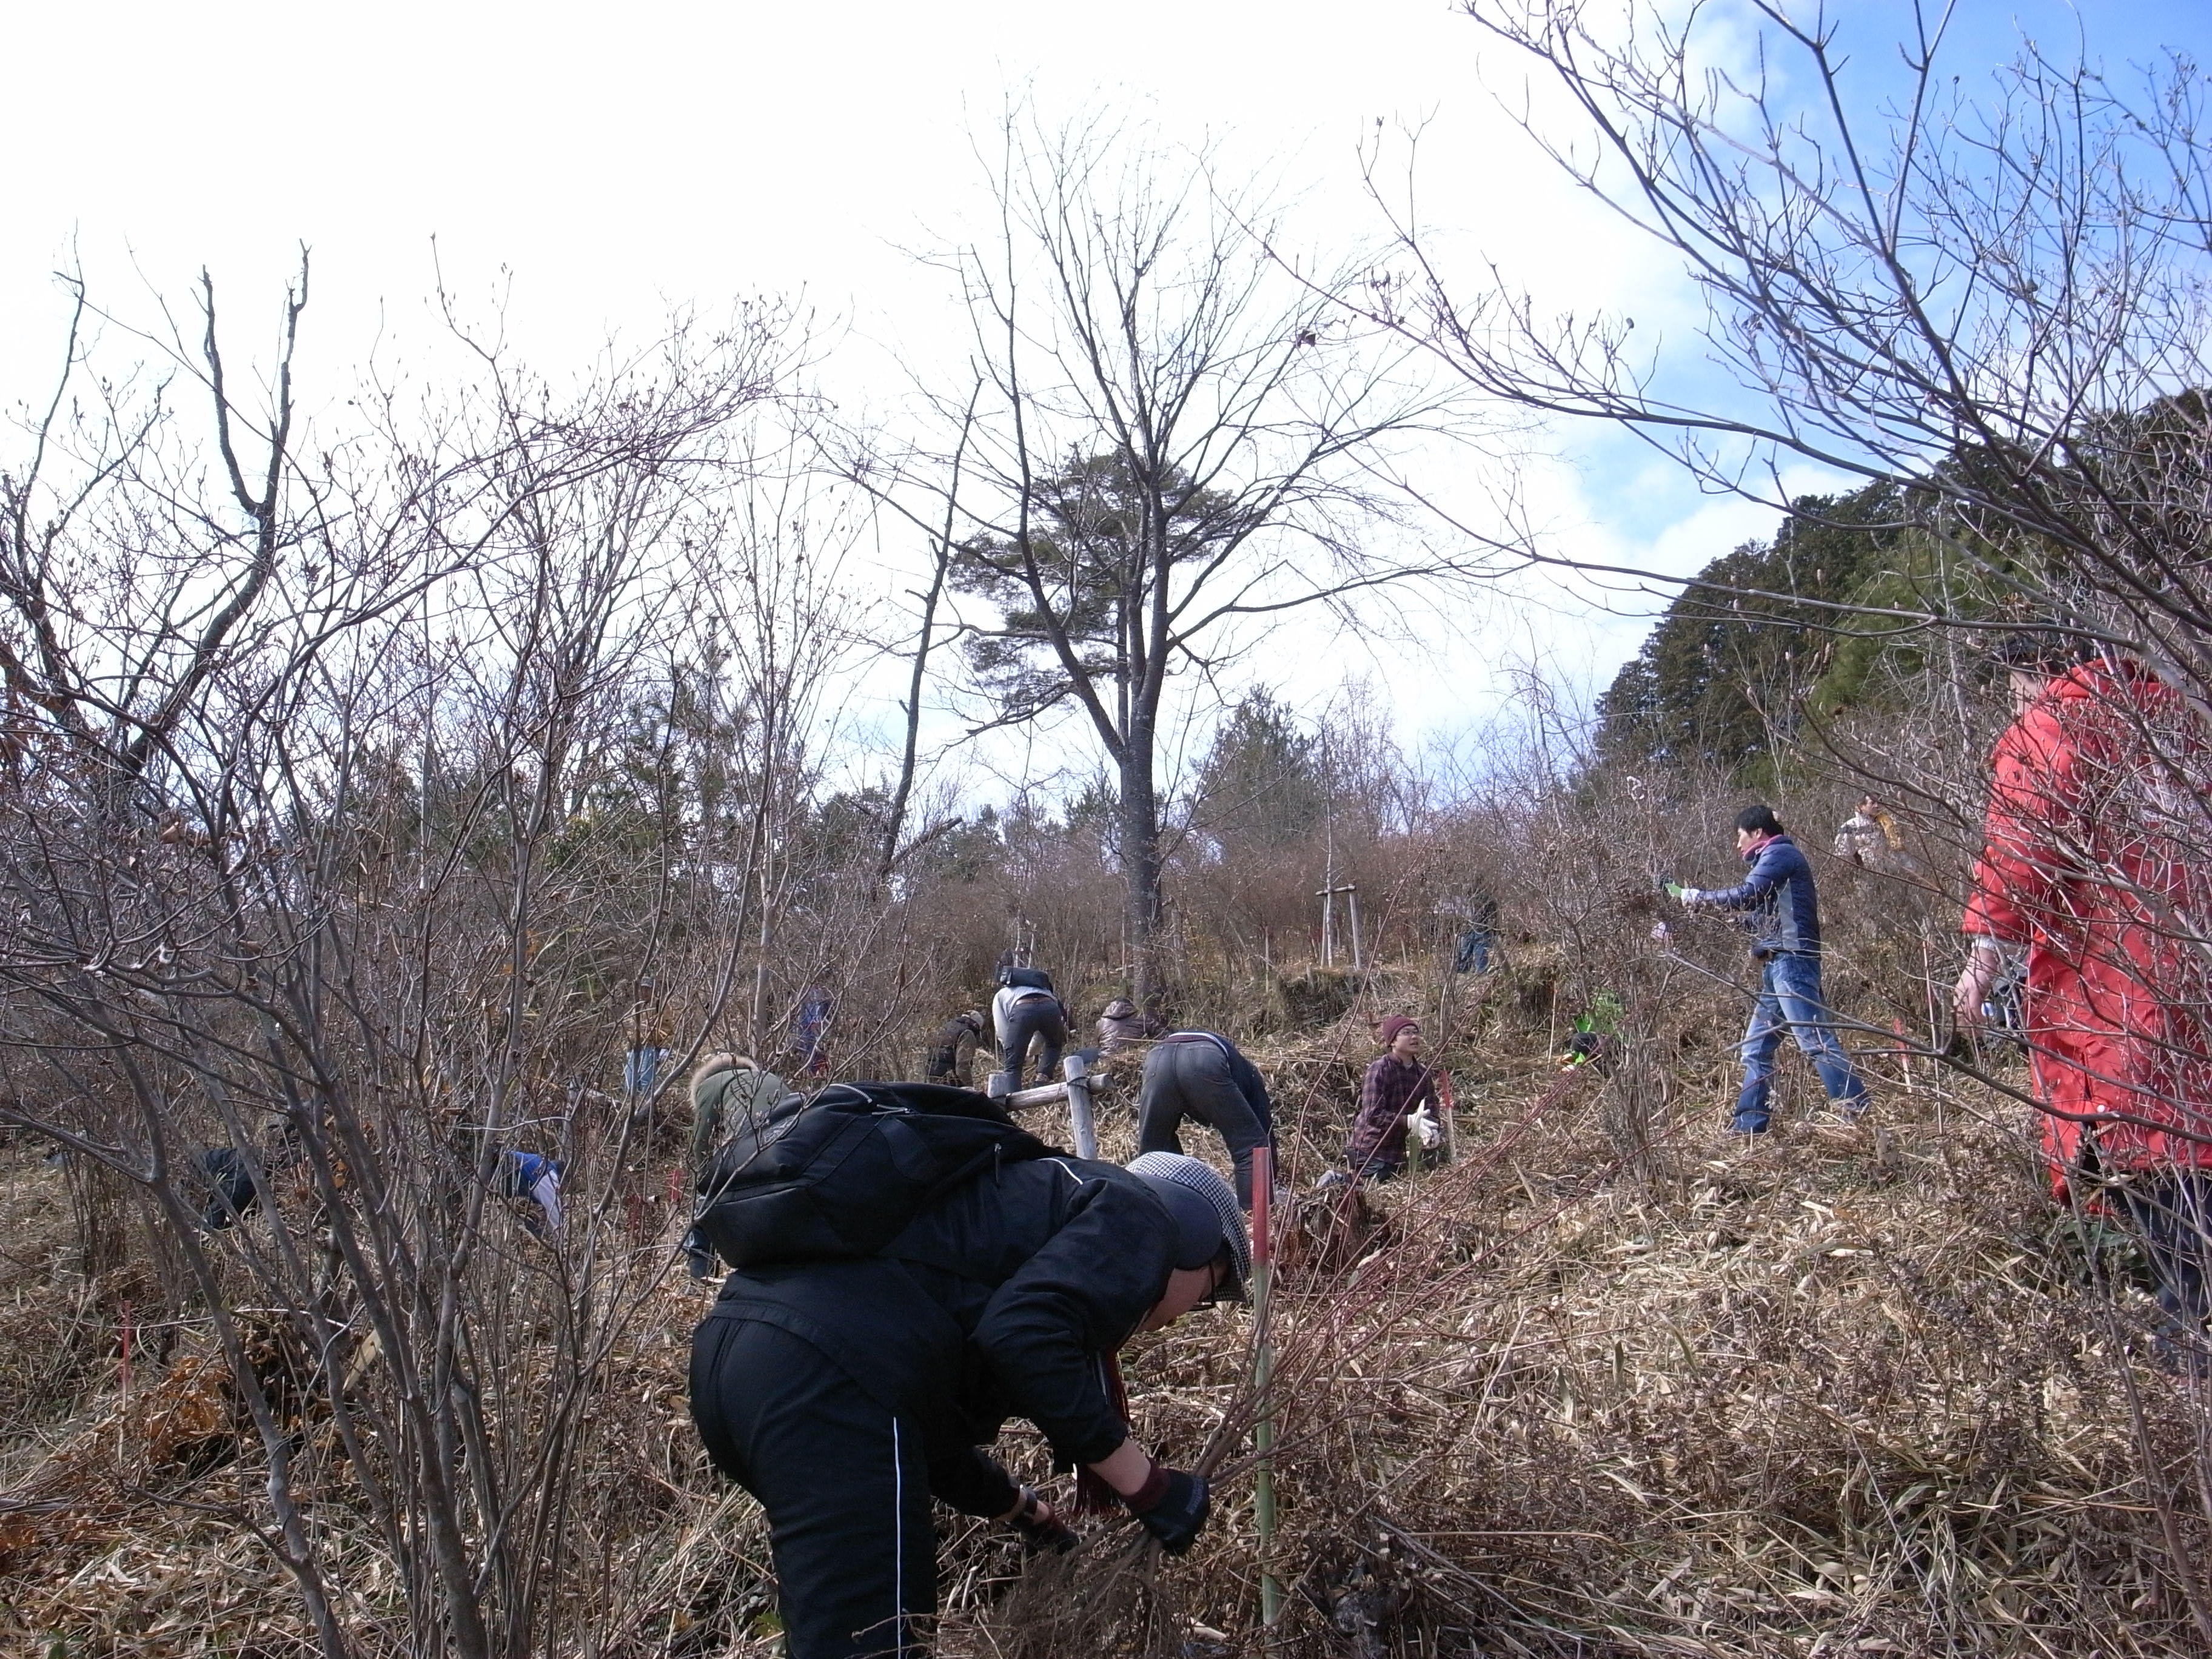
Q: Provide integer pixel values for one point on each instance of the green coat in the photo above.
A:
(723, 1100)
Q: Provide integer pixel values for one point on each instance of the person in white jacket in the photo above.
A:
(1026, 1014)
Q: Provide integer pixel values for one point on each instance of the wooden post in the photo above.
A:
(1328, 897)
(1263, 1370)
(1051, 1094)
(123, 1416)
(1084, 1127)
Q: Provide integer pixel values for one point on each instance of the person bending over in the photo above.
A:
(1028, 1015)
(845, 1394)
(1203, 1075)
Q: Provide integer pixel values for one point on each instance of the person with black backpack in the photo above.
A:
(1027, 1013)
(911, 1269)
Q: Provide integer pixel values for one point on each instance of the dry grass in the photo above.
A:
(1837, 1393)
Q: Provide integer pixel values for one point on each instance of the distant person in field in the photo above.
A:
(1870, 838)
(1398, 1094)
(2095, 857)
(1777, 899)
(1479, 940)
(1028, 1018)
(951, 1059)
(226, 1177)
(1123, 1026)
(810, 1031)
(1204, 1076)
(227, 1182)
(532, 1182)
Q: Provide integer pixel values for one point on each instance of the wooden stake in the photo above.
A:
(1263, 1368)
(1328, 897)
(1080, 1120)
(1075, 1089)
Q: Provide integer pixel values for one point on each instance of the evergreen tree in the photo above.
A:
(1260, 785)
(1720, 677)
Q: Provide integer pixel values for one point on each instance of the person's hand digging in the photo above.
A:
(1040, 1525)
(1171, 1506)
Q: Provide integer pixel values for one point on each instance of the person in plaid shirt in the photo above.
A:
(1398, 1084)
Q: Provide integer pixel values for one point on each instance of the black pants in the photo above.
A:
(846, 1483)
(229, 1188)
(1192, 1080)
(2173, 1216)
(1037, 1020)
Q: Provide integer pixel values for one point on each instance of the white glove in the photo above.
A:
(1425, 1128)
(1692, 895)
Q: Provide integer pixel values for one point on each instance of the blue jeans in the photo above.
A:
(1790, 1001)
(1475, 948)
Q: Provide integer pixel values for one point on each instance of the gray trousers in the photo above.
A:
(1192, 1080)
(1035, 1021)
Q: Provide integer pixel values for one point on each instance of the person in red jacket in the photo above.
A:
(2097, 856)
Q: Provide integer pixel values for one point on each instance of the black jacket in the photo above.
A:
(1002, 1299)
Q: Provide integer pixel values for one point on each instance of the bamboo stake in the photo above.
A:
(1263, 1366)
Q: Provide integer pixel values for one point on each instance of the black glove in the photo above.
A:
(1041, 1529)
(1172, 1504)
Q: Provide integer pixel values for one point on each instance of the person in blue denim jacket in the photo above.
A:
(1778, 900)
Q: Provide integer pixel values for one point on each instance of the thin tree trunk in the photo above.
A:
(894, 813)
(1140, 870)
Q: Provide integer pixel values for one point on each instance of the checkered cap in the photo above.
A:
(1204, 1207)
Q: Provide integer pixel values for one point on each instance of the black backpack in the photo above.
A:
(837, 1177)
(1027, 979)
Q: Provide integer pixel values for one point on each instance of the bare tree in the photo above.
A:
(1998, 302)
(1175, 449)
(326, 872)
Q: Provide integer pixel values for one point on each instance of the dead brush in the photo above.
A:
(185, 1421)
(1810, 1396)
(1326, 1232)
(1820, 1396)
